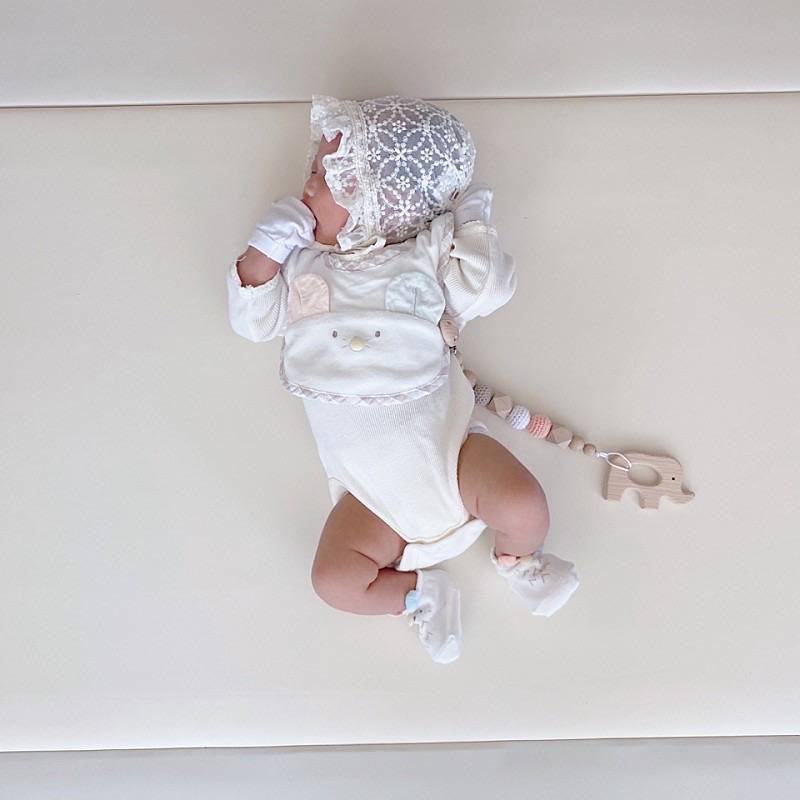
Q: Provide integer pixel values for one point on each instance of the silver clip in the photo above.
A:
(607, 457)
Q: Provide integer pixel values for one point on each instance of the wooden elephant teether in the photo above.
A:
(670, 478)
(618, 479)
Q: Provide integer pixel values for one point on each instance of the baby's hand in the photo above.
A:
(474, 203)
(286, 224)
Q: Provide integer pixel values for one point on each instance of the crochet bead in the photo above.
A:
(483, 394)
(501, 405)
(589, 449)
(471, 377)
(518, 418)
(576, 443)
(539, 426)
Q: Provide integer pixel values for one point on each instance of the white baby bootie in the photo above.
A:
(544, 581)
(435, 605)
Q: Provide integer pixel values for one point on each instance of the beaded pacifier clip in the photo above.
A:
(668, 470)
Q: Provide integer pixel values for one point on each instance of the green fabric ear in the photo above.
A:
(417, 294)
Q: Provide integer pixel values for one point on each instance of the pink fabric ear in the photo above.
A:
(308, 294)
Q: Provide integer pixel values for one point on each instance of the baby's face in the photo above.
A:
(331, 217)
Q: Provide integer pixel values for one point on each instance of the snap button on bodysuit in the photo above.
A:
(356, 343)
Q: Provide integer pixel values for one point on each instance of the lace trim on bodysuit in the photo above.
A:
(368, 400)
(354, 263)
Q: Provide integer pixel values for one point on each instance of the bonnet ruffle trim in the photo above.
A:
(346, 171)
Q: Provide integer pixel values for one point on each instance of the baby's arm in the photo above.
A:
(478, 276)
(257, 291)
(255, 268)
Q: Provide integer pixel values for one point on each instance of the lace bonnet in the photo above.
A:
(401, 161)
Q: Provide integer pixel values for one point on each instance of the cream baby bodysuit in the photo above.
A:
(387, 402)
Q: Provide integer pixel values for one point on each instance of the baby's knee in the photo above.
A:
(526, 507)
(341, 578)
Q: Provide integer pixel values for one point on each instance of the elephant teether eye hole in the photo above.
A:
(377, 333)
(335, 334)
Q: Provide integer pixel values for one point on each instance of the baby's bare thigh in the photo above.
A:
(493, 482)
(352, 526)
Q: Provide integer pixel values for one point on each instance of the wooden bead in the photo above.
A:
(449, 330)
(471, 377)
(576, 443)
(501, 404)
(559, 435)
(589, 449)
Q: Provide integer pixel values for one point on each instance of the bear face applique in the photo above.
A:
(365, 356)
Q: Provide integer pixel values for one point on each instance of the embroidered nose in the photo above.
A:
(356, 343)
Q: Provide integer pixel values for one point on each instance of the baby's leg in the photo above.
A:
(498, 489)
(350, 569)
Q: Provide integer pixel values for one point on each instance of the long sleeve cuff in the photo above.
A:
(479, 276)
(257, 313)
(252, 291)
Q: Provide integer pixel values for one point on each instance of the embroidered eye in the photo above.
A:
(377, 333)
(335, 334)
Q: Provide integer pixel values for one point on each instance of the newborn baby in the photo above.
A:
(369, 279)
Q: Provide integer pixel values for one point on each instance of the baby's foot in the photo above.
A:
(544, 581)
(435, 605)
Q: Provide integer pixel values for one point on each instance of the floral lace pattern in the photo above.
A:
(400, 162)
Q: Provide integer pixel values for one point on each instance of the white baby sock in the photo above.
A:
(435, 606)
(544, 581)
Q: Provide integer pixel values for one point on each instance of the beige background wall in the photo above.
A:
(161, 494)
(659, 769)
(163, 497)
(198, 51)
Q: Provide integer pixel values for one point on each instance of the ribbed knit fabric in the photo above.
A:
(399, 460)
(257, 313)
(479, 277)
